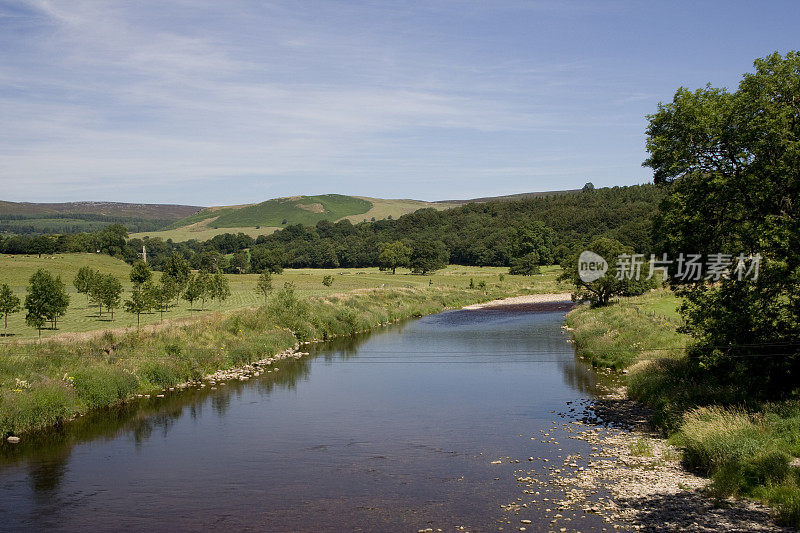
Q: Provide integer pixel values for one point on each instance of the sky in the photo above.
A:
(229, 102)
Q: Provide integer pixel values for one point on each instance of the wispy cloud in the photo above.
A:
(223, 102)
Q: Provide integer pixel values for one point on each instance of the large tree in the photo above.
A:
(428, 256)
(731, 162)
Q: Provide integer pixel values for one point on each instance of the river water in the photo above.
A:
(391, 431)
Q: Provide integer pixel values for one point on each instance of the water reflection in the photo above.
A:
(363, 431)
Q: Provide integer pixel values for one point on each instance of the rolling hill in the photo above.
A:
(184, 222)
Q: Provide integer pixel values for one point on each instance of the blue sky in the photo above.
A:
(211, 103)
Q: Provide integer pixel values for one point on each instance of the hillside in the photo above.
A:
(265, 217)
(74, 217)
(111, 209)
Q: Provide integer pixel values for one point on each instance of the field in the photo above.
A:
(200, 231)
(82, 316)
(382, 208)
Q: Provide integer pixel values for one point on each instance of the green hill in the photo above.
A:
(294, 210)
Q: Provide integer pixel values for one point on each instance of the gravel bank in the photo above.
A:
(631, 478)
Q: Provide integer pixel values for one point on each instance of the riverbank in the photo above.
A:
(46, 384)
(720, 448)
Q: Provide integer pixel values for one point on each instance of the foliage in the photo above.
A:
(219, 288)
(527, 265)
(163, 293)
(731, 161)
(327, 280)
(428, 256)
(613, 283)
(393, 255)
(141, 300)
(106, 290)
(264, 283)
(196, 288)
(177, 268)
(140, 273)
(84, 279)
(47, 299)
(9, 303)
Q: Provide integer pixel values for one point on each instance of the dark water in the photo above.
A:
(393, 431)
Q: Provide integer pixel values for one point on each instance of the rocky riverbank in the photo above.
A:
(631, 478)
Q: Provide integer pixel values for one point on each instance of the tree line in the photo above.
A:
(520, 234)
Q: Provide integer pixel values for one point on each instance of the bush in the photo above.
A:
(98, 386)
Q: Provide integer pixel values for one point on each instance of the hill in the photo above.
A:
(74, 217)
(265, 217)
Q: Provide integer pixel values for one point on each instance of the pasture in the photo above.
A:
(83, 315)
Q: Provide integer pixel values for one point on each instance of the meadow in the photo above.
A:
(82, 315)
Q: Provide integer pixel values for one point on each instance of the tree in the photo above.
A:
(194, 289)
(220, 288)
(111, 239)
(730, 162)
(140, 273)
(428, 256)
(206, 284)
(239, 263)
(141, 300)
(264, 284)
(108, 292)
(9, 303)
(327, 280)
(527, 265)
(84, 279)
(163, 294)
(264, 257)
(394, 254)
(589, 187)
(600, 291)
(177, 268)
(46, 299)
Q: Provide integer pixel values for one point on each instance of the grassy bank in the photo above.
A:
(44, 384)
(746, 447)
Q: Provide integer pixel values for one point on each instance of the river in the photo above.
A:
(396, 430)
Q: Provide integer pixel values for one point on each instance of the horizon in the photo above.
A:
(240, 103)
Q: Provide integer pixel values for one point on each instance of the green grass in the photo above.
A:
(306, 210)
(82, 316)
(632, 330)
(744, 446)
(44, 383)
